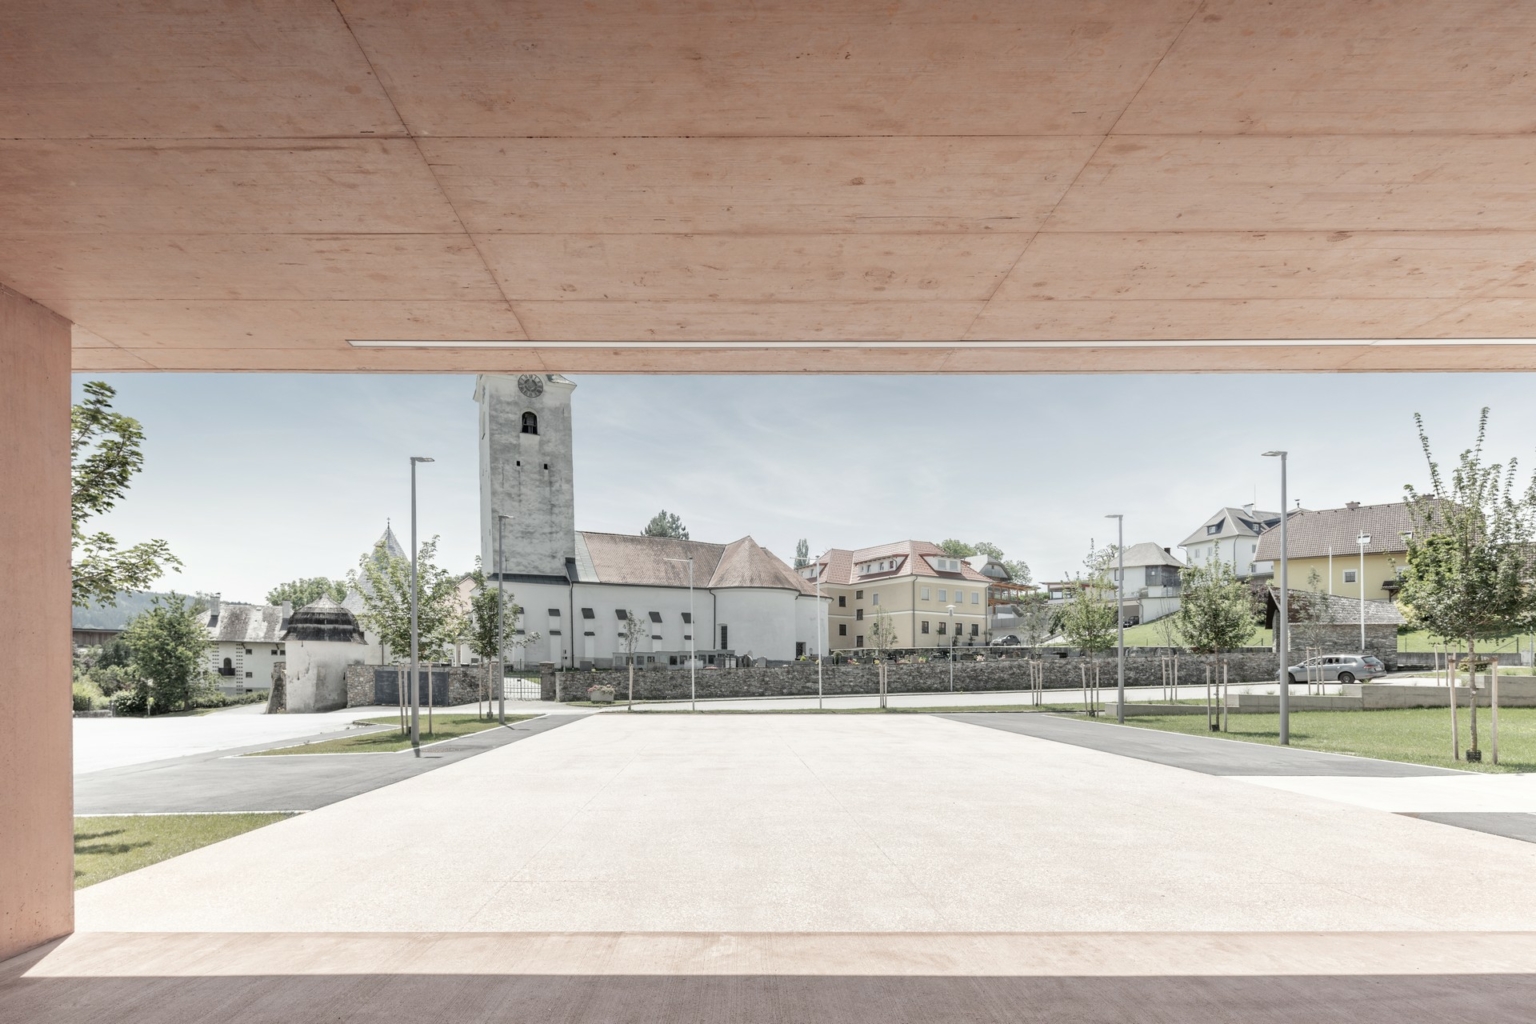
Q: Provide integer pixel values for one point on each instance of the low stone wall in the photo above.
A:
(369, 685)
(1143, 667)
(1344, 638)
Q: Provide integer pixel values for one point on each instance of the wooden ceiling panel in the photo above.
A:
(614, 68)
(747, 321)
(61, 270)
(147, 69)
(1174, 266)
(751, 268)
(1305, 183)
(762, 186)
(1343, 66)
(216, 187)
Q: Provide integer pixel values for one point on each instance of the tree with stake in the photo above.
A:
(1090, 620)
(1215, 611)
(882, 638)
(1469, 574)
(634, 632)
(483, 626)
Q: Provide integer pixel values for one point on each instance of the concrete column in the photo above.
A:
(36, 787)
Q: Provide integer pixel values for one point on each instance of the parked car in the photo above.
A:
(1344, 668)
(1007, 641)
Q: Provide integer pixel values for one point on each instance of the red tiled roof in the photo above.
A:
(914, 555)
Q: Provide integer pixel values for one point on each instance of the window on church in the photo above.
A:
(554, 613)
(655, 616)
(587, 613)
(530, 423)
(622, 613)
(688, 617)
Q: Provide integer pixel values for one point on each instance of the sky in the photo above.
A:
(255, 479)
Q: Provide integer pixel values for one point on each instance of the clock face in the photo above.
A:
(530, 385)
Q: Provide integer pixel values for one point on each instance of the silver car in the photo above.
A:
(1345, 668)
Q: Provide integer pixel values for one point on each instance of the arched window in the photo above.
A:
(530, 423)
(228, 669)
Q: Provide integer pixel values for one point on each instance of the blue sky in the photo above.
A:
(259, 478)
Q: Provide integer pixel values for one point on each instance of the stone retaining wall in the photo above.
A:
(369, 685)
(1143, 667)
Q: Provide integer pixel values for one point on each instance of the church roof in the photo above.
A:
(643, 561)
(323, 620)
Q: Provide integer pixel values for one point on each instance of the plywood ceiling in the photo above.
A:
(999, 184)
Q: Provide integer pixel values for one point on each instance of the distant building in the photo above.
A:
(1231, 536)
(1326, 542)
(245, 643)
(1152, 583)
(933, 600)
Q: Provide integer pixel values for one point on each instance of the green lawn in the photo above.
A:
(960, 709)
(116, 844)
(1417, 735)
(1155, 634)
(384, 741)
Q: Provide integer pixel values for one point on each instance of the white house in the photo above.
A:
(1231, 536)
(577, 588)
(1152, 584)
(245, 643)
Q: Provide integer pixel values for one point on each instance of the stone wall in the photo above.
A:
(1344, 638)
(380, 684)
(1143, 667)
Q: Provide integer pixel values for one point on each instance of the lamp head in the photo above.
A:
(1270, 455)
(421, 458)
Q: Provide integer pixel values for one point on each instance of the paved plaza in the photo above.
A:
(858, 868)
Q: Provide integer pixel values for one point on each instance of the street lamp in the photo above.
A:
(415, 671)
(1283, 627)
(821, 615)
(1362, 540)
(693, 631)
(501, 624)
(1120, 617)
(951, 648)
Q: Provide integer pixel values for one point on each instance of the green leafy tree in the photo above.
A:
(105, 454)
(665, 524)
(1090, 620)
(1215, 609)
(1018, 569)
(1469, 574)
(957, 548)
(483, 626)
(308, 590)
(802, 553)
(882, 632)
(170, 651)
(387, 602)
(1038, 621)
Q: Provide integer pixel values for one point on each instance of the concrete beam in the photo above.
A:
(36, 797)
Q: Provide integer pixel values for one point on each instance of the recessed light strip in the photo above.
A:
(980, 346)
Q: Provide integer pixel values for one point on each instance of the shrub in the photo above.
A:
(130, 702)
(86, 696)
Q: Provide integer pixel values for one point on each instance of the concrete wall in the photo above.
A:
(317, 674)
(1142, 668)
(36, 797)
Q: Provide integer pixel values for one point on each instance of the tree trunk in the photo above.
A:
(1473, 754)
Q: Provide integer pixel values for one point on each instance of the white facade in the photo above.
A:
(1231, 536)
(316, 674)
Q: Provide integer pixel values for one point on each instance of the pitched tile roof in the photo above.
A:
(912, 557)
(246, 623)
(746, 564)
(642, 561)
(1311, 533)
(1235, 522)
(1148, 553)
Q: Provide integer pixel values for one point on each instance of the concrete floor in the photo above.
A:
(827, 824)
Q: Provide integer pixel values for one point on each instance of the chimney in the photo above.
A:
(1167, 551)
(1248, 508)
(213, 606)
(1352, 505)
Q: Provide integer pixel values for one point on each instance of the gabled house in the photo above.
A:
(245, 643)
(1327, 542)
(1231, 536)
(1152, 584)
(933, 599)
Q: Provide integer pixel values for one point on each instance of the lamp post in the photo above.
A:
(951, 648)
(693, 631)
(415, 671)
(1120, 616)
(501, 625)
(1363, 539)
(821, 615)
(1283, 626)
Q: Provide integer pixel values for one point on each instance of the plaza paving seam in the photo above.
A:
(222, 781)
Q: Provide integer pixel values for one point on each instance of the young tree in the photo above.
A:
(1469, 574)
(483, 626)
(1089, 620)
(387, 602)
(882, 632)
(802, 553)
(1037, 619)
(1215, 610)
(665, 524)
(634, 631)
(170, 649)
(305, 591)
(105, 454)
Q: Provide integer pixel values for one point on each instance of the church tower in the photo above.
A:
(525, 473)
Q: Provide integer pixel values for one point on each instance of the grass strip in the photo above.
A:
(111, 845)
(384, 741)
(1415, 735)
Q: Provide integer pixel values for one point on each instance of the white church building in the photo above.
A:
(577, 588)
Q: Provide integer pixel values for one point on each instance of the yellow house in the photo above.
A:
(931, 599)
(1330, 541)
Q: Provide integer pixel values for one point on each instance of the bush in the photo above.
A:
(86, 696)
(130, 702)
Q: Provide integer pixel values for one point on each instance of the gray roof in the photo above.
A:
(1149, 553)
(246, 623)
(323, 620)
(643, 561)
(1235, 522)
(1312, 533)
